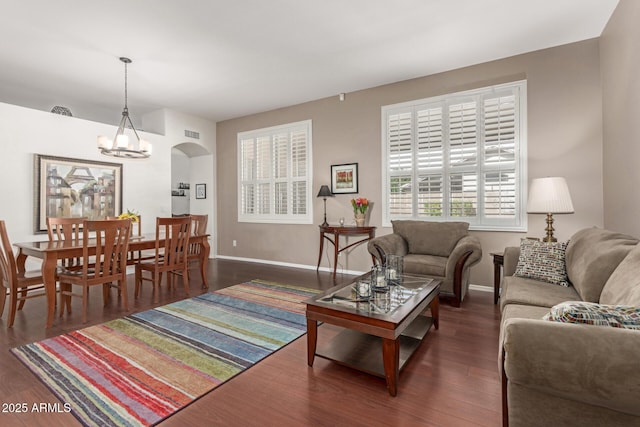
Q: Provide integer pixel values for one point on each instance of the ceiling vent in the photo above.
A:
(63, 111)
(192, 134)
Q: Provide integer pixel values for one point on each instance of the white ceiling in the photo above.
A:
(223, 59)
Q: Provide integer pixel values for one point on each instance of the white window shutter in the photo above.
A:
(457, 157)
(274, 174)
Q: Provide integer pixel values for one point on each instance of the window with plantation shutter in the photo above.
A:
(274, 174)
(458, 157)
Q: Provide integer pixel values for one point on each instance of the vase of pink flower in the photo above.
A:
(360, 206)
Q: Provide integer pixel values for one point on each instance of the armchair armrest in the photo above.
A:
(467, 252)
(597, 365)
(388, 244)
(464, 245)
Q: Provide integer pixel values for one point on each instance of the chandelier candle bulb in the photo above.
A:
(145, 146)
(103, 142)
(122, 141)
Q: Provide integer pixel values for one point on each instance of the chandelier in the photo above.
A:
(121, 145)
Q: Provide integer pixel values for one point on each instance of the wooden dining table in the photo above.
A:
(52, 252)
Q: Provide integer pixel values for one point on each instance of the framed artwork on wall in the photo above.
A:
(344, 178)
(65, 187)
(201, 191)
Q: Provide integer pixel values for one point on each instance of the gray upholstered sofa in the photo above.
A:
(557, 373)
(444, 250)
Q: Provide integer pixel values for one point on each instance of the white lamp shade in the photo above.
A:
(122, 141)
(549, 195)
(104, 142)
(145, 146)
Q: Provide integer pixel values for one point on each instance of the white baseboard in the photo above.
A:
(327, 269)
(481, 288)
(290, 264)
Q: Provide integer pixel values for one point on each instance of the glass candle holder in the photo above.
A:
(378, 277)
(394, 268)
(363, 289)
(382, 299)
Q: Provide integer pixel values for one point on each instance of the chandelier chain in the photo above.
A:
(120, 146)
(125, 85)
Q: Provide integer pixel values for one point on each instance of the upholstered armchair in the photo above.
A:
(443, 250)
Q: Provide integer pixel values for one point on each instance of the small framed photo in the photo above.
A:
(201, 191)
(344, 178)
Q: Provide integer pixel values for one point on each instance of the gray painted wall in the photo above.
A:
(564, 138)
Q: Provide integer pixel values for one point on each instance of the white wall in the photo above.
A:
(201, 163)
(25, 132)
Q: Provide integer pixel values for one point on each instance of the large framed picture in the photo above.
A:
(67, 187)
(344, 178)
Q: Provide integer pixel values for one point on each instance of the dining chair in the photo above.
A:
(171, 249)
(110, 241)
(69, 229)
(136, 232)
(19, 286)
(198, 228)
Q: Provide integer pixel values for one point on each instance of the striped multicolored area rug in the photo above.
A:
(140, 369)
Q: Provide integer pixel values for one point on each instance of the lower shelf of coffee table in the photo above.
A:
(364, 352)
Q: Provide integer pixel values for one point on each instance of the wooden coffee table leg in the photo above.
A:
(391, 360)
(312, 338)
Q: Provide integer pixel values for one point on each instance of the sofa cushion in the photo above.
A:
(623, 286)
(429, 237)
(590, 313)
(519, 311)
(543, 261)
(427, 265)
(592, 256)
(520, 290)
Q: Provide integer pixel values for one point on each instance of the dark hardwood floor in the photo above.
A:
(452, 380)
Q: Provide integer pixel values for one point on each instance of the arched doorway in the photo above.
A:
(192, 165)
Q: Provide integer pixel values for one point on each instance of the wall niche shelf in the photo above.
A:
(181, 191)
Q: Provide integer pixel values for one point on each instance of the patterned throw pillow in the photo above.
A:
(543, 261)
(591, 313)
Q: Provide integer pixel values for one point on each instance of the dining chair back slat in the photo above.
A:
(136, 230)
(198, 228)
(69, 229)
(64, 228)
(18, 286)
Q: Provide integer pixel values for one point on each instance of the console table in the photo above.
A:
(498, 263)
(327, 231)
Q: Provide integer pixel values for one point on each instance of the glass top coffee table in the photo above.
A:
(390, 321)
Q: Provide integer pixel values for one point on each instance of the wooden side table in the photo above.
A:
(326, 231)
(498, 263)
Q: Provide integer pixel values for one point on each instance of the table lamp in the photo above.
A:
(549, 196)
(324, 193)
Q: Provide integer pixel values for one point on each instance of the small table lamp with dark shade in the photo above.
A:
(324, 193)
(549, 196)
